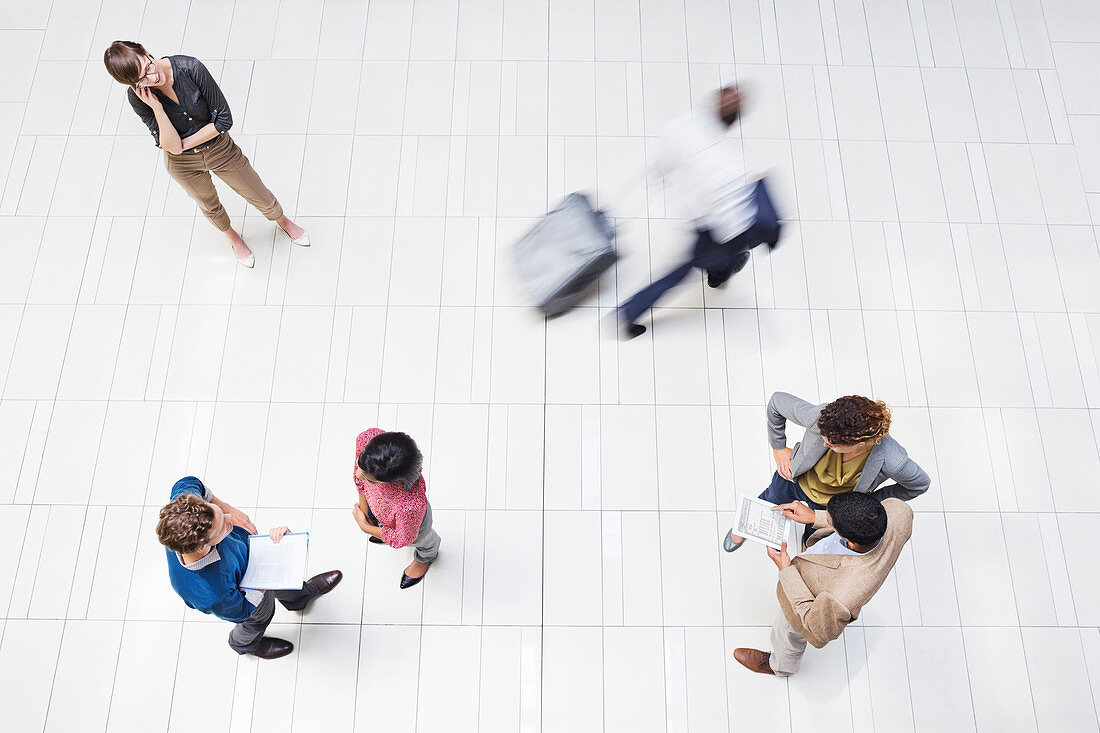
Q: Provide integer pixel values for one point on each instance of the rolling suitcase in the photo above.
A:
(565, 253)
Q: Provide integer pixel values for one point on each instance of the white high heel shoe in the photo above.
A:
(249, 261)
(302, 241)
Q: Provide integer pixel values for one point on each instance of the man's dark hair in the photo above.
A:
(857, 517)
(392, 458)
(729, 104)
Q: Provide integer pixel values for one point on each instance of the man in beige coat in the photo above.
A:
(823, 590)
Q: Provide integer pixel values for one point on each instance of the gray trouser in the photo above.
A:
(426, 544)
(788, 647)
(246, 635)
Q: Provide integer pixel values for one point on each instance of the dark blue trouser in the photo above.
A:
(719, 259)
(782, 491)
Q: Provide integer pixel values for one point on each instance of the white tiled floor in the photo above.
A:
(938, 163)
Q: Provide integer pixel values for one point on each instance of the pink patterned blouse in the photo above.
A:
(398, 512)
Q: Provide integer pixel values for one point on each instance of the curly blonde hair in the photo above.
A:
(853, 419)
(185, 524)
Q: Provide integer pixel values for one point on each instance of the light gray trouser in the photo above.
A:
(426, 544)
(246, 635)
(788, 646)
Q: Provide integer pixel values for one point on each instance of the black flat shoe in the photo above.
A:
(407, 582)
(632, 330)
(272, 648)
(376, 540)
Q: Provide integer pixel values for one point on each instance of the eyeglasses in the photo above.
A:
(150, 68)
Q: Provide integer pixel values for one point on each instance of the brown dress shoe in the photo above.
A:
(272, 648)
(323, 583)
(754, 660)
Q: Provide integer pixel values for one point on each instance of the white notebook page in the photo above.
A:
(280, 566)
(756, 521)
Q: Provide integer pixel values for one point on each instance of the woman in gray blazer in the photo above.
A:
(846, 447)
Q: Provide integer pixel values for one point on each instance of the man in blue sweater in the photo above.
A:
(206, 540)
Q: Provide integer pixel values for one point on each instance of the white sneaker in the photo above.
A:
(249, 261)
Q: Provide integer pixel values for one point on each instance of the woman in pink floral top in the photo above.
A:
(393, 503)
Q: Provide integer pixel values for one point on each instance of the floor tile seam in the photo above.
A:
(674, 219)
(1004, 533)
(189, 623)
(225, 342)
(19, 560)
(594, 135)
(1080, 374)
(65, 621)
(714, 453)
(1040, 409)
(581, 308)
(438, 326)
(22, 121)
(72, 322)
(660, 570)
(278, 338)
(613, 508)
(967, 320)
(890, 168)
(3, 192)
(339, 266)
(863, 322)
(385, 330)
(424, 59)
(717, 516)
(167, 373)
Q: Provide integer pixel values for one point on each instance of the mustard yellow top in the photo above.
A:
(832, 475)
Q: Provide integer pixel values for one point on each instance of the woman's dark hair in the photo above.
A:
(854, 419)
(857, 517)
(392, 458)
(125, 61)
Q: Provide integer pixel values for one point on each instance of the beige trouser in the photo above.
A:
(223, 157)
(787, 647)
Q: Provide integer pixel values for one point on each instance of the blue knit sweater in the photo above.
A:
(215, 588)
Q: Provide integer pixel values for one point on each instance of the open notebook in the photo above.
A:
(274, 566)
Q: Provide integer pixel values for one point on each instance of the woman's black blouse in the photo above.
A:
(201, 101)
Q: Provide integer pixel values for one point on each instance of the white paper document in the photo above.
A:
(276, 566)
(756, 521)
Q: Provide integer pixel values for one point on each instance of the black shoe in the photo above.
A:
(376, 540)
(632, 330)
(272, 648)
(407, 582)
(715, 282)
(739, 265)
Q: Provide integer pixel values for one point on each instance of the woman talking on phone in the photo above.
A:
(184, 109)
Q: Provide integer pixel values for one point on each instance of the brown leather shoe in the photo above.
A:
(754, 660)
(272, 648)
(323, 583)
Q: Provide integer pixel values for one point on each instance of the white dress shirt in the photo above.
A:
(707, 167)
(833, 545)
